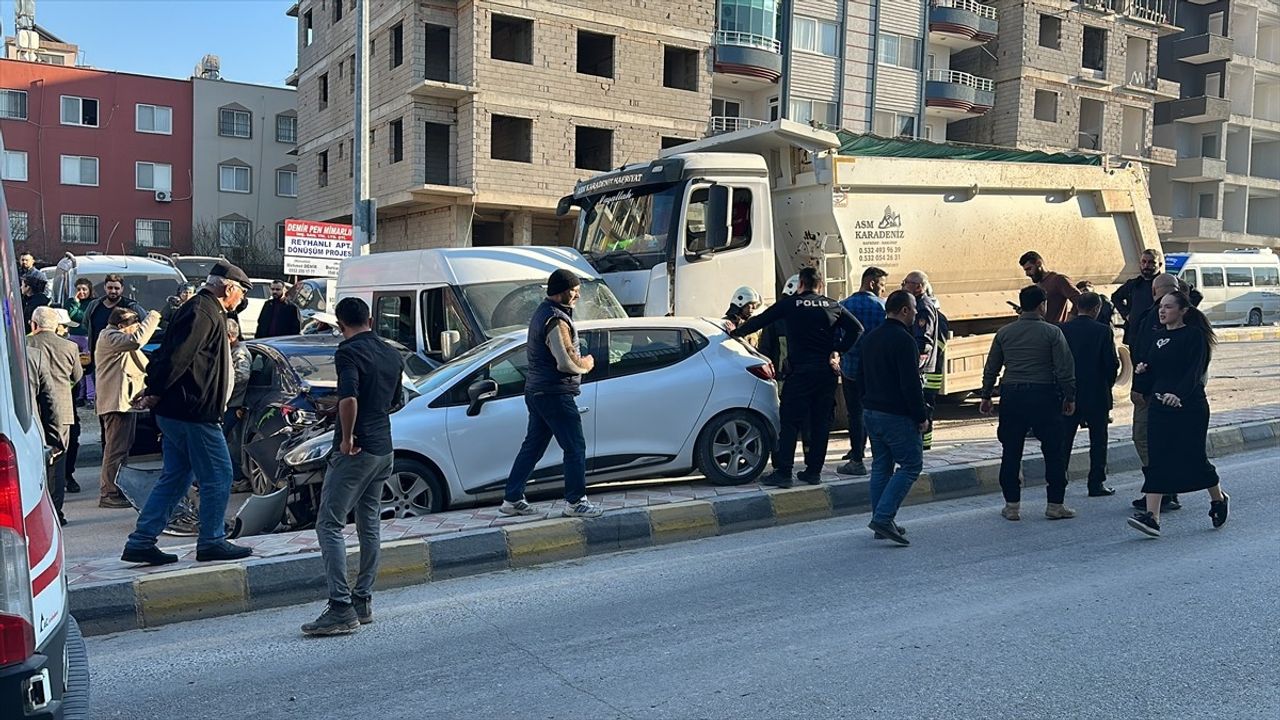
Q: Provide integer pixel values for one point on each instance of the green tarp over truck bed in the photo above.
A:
(873, 146)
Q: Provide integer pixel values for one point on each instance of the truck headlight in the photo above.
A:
(310, 451)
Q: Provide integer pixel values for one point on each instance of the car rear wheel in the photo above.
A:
(414, 489)
(1255, 317)
(733, 448)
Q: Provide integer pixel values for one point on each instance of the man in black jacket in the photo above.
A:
(893, 412)
(817, 328)
(1093, 347)
(189, 381)
(278, 316)
(1133, 298)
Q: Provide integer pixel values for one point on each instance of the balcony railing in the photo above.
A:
(721, 124)
(973, 6)
(746, 39)
(961, 78)
(1153, 11)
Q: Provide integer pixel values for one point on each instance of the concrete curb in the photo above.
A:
(260, 583)
(1248, 334)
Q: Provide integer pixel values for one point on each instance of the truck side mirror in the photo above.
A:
(479, 393)
(717, 218)
(449, 340)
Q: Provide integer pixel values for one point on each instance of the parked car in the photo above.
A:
(149, 280)
(256, 298)
(311, 294)
(195, 267)
(668, 396)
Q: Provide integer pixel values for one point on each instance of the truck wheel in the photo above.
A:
(1255, 317)
(75, 700)
(733, 448)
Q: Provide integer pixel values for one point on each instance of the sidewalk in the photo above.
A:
(108, 595)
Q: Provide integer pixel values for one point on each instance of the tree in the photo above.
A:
(255, 253)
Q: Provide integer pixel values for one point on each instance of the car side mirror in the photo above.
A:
(449, 340)
(480, 392)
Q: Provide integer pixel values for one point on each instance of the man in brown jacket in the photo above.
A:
(122, 371)
(1057, 287)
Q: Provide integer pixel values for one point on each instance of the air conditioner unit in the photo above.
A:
(164, 196)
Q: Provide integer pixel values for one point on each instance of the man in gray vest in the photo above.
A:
(553, 381)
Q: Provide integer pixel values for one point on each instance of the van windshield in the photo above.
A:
(501, 307)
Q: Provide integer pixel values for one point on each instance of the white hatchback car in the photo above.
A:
(668, 396)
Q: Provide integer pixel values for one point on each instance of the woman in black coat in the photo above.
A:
(1178, 418)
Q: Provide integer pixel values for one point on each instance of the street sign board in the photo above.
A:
(315, 249)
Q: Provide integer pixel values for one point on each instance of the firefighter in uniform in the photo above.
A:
(818, 330)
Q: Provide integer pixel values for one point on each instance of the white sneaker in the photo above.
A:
(583, 509)
(519, 507)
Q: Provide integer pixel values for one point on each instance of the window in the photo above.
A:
(1093, 56)
(1217, 24)
(509, 371)
(511, 138)
(1093, 115)
(337, 11)
(79, 170)
(156, 119)
(816, 36)
(891, 125)
(308, 29)
(393, 318)
(1191, 278)
(1239, 277)
(286, 129)
(280, 236)
(234, 178)
(235, 123)
(805, 111)
(1209, 145)
(397, 45)
(725, 108)
(18, 228)
(14, 166)
(79, 111)
(593, 148)
(153, 176)
(511, 39)
(1046, 108)
(234, 233)
(440, 313)
(899, 51)
(324, 91)
(80, 229)
(395, 141)
(680, 68)
(439, 54)
(13, 104)
(1213, 277)
(670, 142)
(1266, 276)
(1208, 205)
(351, 83)
(595, 54)
(152, 233)
(739, 217)
(287, 183)
(1050, 32)
(322, 168)
(643, 350)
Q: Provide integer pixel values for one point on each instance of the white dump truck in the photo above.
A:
(676, 236)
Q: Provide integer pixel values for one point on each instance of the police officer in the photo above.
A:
(817, 327)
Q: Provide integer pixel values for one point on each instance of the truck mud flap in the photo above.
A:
(260, 514)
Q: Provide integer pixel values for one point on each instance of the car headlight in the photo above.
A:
(310, 451)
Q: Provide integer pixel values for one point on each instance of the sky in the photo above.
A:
(256, 41)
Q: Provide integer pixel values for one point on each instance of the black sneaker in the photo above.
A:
(1140, 503)
(809, 478)
(1218, 511)
(857, 468)
(335, 620)
(901, 531)
(72, 485)
(889, 531)
(1169, 503)
(222, 551)
(364, 608)
(148, 556)
(1145, 523)
(777, 478)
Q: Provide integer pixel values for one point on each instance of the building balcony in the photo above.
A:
(1198, 170)
(749, 55)
(1201, 49)
(1196, 228)
(293, 10)
(1193, 110)
(961, 24)
(440, 90)
(955, 94)
(292, 80)
(1158, 13)
(721, 124)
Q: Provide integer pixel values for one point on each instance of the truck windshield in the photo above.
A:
(629, 230)
(501, 307)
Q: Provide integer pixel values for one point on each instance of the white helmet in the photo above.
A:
(793, 284)
(744, 296)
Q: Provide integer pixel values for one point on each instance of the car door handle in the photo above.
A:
(584, 411)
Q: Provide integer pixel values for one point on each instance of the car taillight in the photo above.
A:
(17, 634)
(764, 372)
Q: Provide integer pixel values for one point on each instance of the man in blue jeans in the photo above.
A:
(893, 412)
(189, 382)
(554, 379)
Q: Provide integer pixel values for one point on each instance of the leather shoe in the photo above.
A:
(148, 556)
(889, 531)
(222, 551)
(114, 502)
(72, 485)
(1100, 491)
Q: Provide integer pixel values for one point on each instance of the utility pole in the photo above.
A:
(363, 220)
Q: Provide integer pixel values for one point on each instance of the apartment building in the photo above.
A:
(483, 114)
(1224, 191)
(47, 48)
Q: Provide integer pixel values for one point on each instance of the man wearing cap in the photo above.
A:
(553, 381)
(62, 357)
(122, 372)
(189, 381)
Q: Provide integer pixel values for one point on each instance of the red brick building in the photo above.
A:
(95, 160)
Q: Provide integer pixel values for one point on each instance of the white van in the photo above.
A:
(44, 672)
(445, 301)
(1240, 287)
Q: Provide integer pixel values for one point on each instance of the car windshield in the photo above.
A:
(446, 373)
(501, 307)
(196, 269)
(629, 228)
(152, 292)
(316, 367)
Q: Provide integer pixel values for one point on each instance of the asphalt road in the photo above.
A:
(979, 618)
